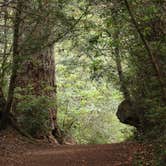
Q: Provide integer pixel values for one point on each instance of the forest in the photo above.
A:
(83, 82)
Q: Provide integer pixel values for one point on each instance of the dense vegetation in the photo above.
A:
(68, 68)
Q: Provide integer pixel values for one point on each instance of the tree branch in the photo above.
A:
(150, 54)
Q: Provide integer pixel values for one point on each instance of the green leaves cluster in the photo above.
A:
(86, 107)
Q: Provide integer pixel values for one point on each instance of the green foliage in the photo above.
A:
(93, 47)
(33, 114)
(157, 134)
(88, 86)
(86, 108)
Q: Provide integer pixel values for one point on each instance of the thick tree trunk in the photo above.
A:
(38, 72)
(37, 69)
(32, 66)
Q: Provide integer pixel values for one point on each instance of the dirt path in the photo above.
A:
(77, 155)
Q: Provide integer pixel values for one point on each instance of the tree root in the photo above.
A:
(12, 123)
(54, 137)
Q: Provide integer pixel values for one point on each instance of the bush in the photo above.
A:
(34, 116)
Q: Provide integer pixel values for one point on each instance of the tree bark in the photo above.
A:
(6, 112)
(37, 64)
(116, 33)
(2, 100)
(32, 65)
(119, 69)
(38, 72)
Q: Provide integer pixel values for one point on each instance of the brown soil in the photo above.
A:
(15, 151)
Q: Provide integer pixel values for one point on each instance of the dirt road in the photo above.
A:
(77, 155)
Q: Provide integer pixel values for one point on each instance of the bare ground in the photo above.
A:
(15, 151)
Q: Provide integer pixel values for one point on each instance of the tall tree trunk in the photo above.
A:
(152, 57)
(117, 56)
(32, 65)
(119, 68)
(5, 113)
(38, 72)
(37, 69)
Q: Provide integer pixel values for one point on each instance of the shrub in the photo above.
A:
(33, 115)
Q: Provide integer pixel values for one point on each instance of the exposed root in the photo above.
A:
(14, 125)
(53, 137)
(11, 122)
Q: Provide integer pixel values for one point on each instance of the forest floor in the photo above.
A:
(15, 151)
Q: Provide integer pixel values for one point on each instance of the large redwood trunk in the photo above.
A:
(37, 65)
(38, 72)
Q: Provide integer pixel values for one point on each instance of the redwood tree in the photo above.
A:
(37, 26)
